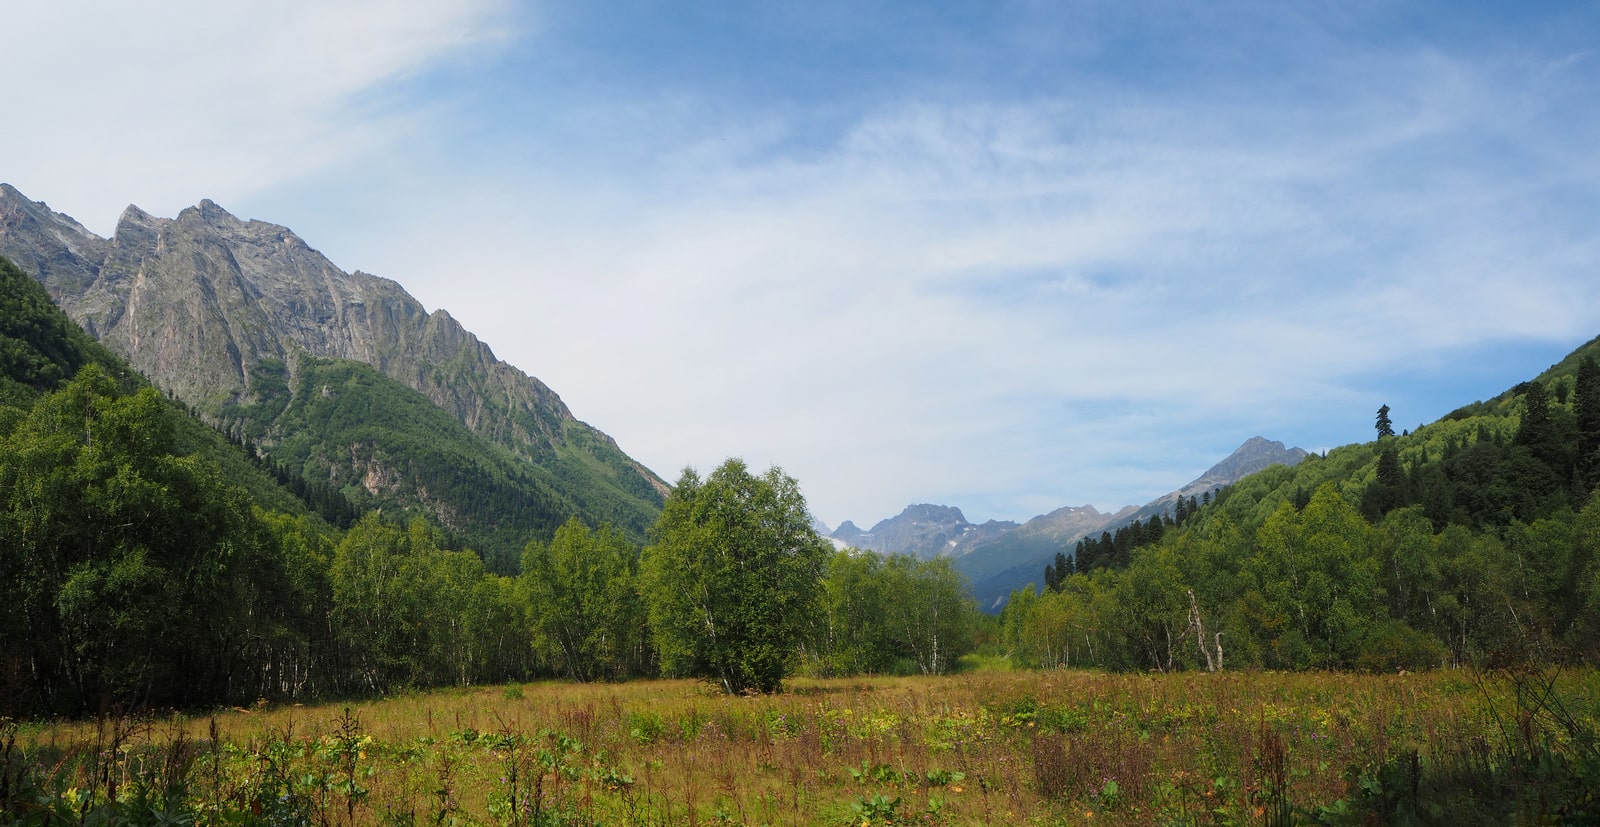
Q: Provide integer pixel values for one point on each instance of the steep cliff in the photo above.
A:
(214, 309)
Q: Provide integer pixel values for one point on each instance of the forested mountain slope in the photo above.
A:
(134, 565)
(227, 314)
(386, 445)
(41, 349)
(1474, 538)
(1018, 558)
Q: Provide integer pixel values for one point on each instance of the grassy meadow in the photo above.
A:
(983, 747)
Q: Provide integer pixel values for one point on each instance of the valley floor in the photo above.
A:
(978, 748)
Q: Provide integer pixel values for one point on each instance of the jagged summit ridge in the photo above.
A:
(922, 530)
(195, 300)
(1254, 455)
(203, 301)
(54, 248)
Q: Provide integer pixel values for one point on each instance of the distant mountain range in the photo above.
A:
(343, 375)
(1000, 557)
(344, 378)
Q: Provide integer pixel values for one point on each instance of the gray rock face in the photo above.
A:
(1257, 453)
(847, 532)
(55, 249)
(196, 302)
(923, 530)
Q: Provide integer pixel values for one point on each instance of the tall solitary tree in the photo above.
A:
(1385, 427)
(733, 576)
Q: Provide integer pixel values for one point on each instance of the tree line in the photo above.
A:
(1472, 540)
(148, 561)
(134, 575)
(145, 562)
(1114, 550)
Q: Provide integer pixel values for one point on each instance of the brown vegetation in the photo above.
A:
(980, 748)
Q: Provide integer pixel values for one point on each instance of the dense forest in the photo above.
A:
(1472, 540)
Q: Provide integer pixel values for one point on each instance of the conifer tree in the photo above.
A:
(1385, 427)
(1587, 404)
(1057, 573)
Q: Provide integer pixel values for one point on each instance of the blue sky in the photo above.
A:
(1003, 256)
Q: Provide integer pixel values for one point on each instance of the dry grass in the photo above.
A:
(983, 748)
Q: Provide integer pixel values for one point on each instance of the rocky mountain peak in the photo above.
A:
(1254, 455)
(211, 213)
(58, 251)
(200, 303)
(135, 216)
(922, 530)
(847, 532)
(925, 514)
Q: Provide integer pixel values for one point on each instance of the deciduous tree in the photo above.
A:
(732, 577)
(583, 602)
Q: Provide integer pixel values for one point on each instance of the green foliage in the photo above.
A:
(383, 445)
(1384, 425)
(1586, 412)
(40, 349)
(891, 614)
(138, 570)
(410, 613)
(732, 577)
(1472, 540)
(582, 595)
(132, 573)
(387, 446)
(1114, 550)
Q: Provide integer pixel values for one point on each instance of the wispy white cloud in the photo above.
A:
(170, 102)
(990, 270)
(881, 303)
